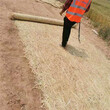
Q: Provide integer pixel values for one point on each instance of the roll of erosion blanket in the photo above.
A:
(26, 17)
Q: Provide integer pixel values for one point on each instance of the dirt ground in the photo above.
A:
(16, 78)
(17, 90)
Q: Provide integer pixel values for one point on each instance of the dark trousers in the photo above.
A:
(66, 30)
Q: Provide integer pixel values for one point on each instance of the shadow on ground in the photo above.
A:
(76, 52)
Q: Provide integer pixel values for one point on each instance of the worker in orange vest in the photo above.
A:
(75, 10)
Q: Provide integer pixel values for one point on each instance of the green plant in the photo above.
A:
(104, 32)
(100, 16)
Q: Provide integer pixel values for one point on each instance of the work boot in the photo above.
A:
(64, 44)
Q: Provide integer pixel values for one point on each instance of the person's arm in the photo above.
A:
(88, 8)
(66, 6)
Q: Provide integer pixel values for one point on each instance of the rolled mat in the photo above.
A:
(45, 20)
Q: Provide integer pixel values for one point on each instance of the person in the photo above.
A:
(75, 10)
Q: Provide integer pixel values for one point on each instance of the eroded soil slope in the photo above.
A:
(16, 79)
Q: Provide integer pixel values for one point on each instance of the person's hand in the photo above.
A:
(62, 6)
(61, 13)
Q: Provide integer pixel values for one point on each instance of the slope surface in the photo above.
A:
(76, 77)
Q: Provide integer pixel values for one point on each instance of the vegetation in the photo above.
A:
(100, 15)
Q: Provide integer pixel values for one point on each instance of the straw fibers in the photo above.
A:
(54, 3)
(75, 78)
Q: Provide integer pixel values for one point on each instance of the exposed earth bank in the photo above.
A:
(17, 90)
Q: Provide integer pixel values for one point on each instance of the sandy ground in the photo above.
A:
(54, 3)
(17, 90)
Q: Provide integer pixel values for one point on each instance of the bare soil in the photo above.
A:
(17, 90)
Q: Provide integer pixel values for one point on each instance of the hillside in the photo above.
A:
(100, 15)
(102, 6)
(36, 73)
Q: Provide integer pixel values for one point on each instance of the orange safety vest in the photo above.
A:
(77, 9)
